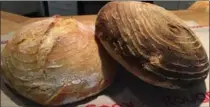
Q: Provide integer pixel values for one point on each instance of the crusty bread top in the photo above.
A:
(153, 39)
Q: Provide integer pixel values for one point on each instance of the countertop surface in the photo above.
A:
(197, 12)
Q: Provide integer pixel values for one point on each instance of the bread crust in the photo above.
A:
(56, 61)
(152, 43)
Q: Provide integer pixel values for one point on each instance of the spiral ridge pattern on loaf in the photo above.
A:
(154, 41)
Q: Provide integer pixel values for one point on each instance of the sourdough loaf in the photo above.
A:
(56, 61)
(152, 43)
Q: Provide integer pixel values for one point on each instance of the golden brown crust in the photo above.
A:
(56, 61)
(152, 43)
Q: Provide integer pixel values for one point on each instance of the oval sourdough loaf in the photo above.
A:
(152, 43)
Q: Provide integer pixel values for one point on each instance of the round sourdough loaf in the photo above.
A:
(56, 61)
(152, 43)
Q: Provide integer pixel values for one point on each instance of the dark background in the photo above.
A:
(49, 8)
